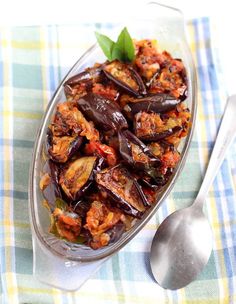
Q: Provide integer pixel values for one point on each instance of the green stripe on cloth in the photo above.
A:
(33, 60)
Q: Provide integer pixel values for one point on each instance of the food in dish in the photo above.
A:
(113, 144)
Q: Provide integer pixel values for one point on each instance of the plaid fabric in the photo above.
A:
(32, 62)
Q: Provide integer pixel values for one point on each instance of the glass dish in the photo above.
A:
(153, 21)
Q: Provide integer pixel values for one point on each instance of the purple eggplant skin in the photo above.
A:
(81, 207)
(141, 86)
(108, 181)
(184, 95)
(87, 75)
(158, 103)
(106, 114)
(52, 191)
(116, 232)
(126, 138)
(71, 148)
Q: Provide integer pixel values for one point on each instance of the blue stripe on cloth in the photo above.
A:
(52, 67)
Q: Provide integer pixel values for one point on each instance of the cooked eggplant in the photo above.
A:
(126, 77)
(150, 126)
(66, 224)
(161, 135)
(158, 103)
(77, 177)
(123, 189)
(62, 148)
(81, 207)
(49, 184)
(100, 221)
(105, 113)
(90, 74)
(135, 152)
(116, 232)
(69, 121)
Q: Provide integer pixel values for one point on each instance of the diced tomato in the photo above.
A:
(169, 160)
(150, 194)
(109, 153)
(108, 92)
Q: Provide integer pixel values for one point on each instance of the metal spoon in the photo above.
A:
(183, 242)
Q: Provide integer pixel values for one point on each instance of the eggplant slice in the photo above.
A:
(158, 103)
(79, 83)
(150, 126)
(135, 152)
(78, 177)
(49, 184)
(69, 121)
(105, 113)
(125, 76)
(123, 189)
(62, 148)
(90, 74)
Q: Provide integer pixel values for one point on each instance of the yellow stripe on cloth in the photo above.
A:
(10, 276)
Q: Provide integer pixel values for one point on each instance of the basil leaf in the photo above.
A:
(122, 50)
(124, 47)
(106, 45)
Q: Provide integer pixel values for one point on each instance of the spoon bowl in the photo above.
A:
(181, 250)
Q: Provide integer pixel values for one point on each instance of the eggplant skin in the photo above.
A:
(144, 158)
(126, 77)
(105, 113)
(61, 149)
(123, 189)
(116, 232)
(87, 75)
(158, 103)
(77, 177)
(161, 135)
(151, 127)
(52, 190)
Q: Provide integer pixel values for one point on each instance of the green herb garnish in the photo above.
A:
(122, 49)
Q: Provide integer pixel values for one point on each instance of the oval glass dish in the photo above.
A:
(154, 21)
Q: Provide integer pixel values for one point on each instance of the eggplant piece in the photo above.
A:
(135, 152)
(60, 149)
(150, 127)
(105, 113)
(126, 77)
(158, 103)
(81, 207)
(116, 232)
(77, 177)
(49, 184)
(69, 121)
(101, 220)
(66, 224)
(90, 74)
(123, 189)
(159, 136)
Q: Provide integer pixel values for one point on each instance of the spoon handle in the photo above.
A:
(224, 138)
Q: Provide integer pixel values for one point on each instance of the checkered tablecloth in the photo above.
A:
(33, 60)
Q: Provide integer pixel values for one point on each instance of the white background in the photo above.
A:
(32, 12)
